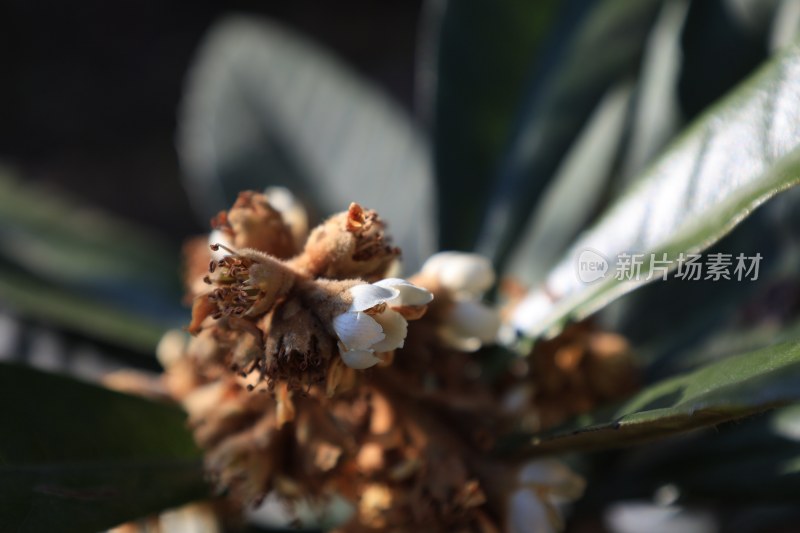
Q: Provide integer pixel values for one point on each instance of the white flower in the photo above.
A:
(470, 323)
(545, 485)
(461, 273)
(370, 325)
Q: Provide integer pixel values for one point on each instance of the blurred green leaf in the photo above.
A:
(732, 388)
(576, 191)
(83, 270)
(714, 26)
(657, 116)
(483, 56)
(739, 154)
(266, 107)
(756, 461)
(749, 461)
(785, 24)
(733, 338)
(76, 457)
(73, 311)
(597, 44)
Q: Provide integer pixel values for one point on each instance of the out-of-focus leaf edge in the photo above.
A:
(726, 390)
(31, 297)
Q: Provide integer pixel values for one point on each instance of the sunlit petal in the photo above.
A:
(410, 294)
(394, 327)
(461, 272)
(474, 319)
(366, 296)
(359, 359)
(357, 331)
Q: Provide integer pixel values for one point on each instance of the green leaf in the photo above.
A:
(62, 242)
(266, 107)
(576, 191)
(733, 314)
(73, 311)
(482, 59)
(729, 389)
(756, 461)
(76, 457)
(657, 116)
(83, 270)
(785, 25)
(732, 159)
(750, 461)
(596, 47)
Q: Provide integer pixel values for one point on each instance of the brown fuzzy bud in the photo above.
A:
(253, 223)
(352, 244)
(578, 370)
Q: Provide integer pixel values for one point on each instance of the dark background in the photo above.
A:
(89, 90)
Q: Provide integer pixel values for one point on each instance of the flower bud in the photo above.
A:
(348, 245)
(253, 223)
(458, 272)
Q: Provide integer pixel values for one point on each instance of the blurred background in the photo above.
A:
(90, 91)
(89, 106)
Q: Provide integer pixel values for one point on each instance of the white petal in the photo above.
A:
(410, 294)
(636, 516)
(543, 472)
(218, 237)
(281, 199)
(394, 327)
(473, 319)
(366, 296)
(357, 331)
(277, 512)
(528, 513)
(435, 263)
(555, 475)
(531, 311)
(359, 359)
(458, 341)
(461, 272)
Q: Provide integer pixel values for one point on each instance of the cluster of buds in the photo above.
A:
(303, 378)
(571, 374)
